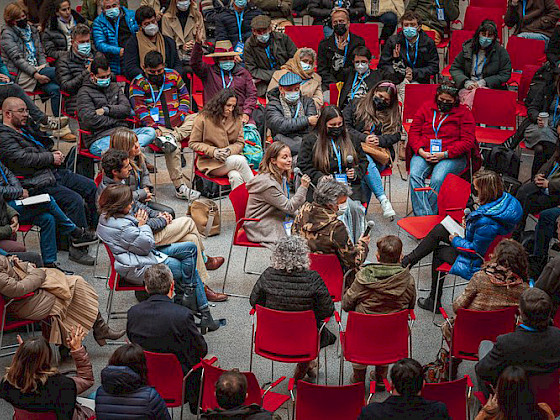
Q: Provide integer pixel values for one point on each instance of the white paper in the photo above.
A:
(35, 199)
(453, 227)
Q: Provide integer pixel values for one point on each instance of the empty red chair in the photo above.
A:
(475, 15)
(11, 324)
(306, 35)
(370, 33)
(329, 268)
(453, 394)
(546, 388)
(495, 4)
(414, 97)
(486, 111)
(523, 52)
(458, 38)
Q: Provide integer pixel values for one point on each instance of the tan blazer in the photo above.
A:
(207, 136)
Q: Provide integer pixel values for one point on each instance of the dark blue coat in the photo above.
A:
(482, 226)
(123, 396)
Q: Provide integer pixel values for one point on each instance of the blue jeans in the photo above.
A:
(534, 35)
(49, 217)
(52, 88)
(146, 135)
(544, 231)
(372, 181)
(182, 263)
(425, 203)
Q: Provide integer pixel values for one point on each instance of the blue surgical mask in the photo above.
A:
(84, 49)
(113, 13)
(240, 3)
(305, 66)
(103, 82)
(227, 65)
(291, 97)
(410, 31)
(263, 38)
(485, 41)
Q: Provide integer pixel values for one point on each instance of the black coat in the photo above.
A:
(226, 24)
(54, 40)
(133, 66)
(549, 280)
(541, 92)
(399, 407)
(321, 10)
(553, 49)
(11, 190)
(71, 72)
(427, 61)
(374, 77)
(326, 51)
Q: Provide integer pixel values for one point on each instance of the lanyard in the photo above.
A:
(554, 117)
(154, 99)
(271, 59)
(372, 128)
(297, 109)
(345, 48)
(525, 327)
(4, 176)
(437, 4)
(476, 66)
(554, 169)
(339, 3)
(357, 83)
(436, 130)
(524, 5)
(224, 80)
(30, 138)
(239, 22)
(413, 64)
(287, 188)
(338, 155)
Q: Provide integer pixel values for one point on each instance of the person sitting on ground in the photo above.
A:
(161, 100)
(231, 393)
(266, 51)
(532, 19)
(405, 402)
(482, 62)
(289, 115)
(161, 326)
(303, 64)
(147, 39)
(289, 285)
(30, 156)
(57, 26)
(233, 23)
(269, 197)
(322, 10)
(111, 31)
(33, 384)
(124, 389)
(382, 288)
(218, 134)
(434, 16)
(497, 214)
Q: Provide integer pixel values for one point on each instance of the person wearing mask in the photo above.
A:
(435, 15)
(482, 62)
(498, 213)
(57, 28)
(265, 52)
(290, 116)
(233, 23)
(111, 31)
(147, 39)
(375, 120)
(335, 52)
(388, 12)
(321, 12)
(533, 19)
(161, 100)
(453, 125)
(303, 64)
(93, 8)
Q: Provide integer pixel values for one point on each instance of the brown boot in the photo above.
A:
(213, 296)
(102, 332)
(380, 375)
(359, 375)
(300, 371)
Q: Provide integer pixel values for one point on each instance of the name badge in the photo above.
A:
(154, 113)
(440, 13)
(288, 227)
(341, 178)
(435, 146)
(239, 47)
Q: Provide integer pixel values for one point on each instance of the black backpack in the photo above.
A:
(502, 160)
(210, 189)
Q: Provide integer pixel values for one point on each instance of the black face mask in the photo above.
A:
(156, 79)
(335, 132)
(340, 29)
(444, 107)
(379, 103)
(22, 23)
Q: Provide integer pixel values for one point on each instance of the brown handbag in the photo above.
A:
(206, 216)
(380, 154)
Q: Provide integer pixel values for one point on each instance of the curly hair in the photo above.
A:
(510, 254)
(214, 109)
(291, 254)
(328, 192)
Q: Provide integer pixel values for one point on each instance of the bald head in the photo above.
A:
(14, 113)
(12, 103)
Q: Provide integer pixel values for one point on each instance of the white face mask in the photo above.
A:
(361, 68)
(151, 29)
(183, 6)
(342, 207)
(305, 66)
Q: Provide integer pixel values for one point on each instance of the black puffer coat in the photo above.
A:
(71, 72)
(12, 189)
(321, 10)
(226, 24)
(541, 92)
(54, 40)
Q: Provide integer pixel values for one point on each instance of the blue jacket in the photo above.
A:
(482, 226)
(106, 36)
(123, 396)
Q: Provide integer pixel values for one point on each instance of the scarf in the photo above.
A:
(145, 45)
(293, 65)
(502, 276)
(66, 29)
(30, 49)
(287, 110)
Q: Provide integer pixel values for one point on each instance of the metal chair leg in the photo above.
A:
(227, 267)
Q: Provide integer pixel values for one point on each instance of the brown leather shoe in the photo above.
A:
(213, 263)
(214, 296)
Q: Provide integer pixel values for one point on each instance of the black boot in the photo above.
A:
(207, 323)
(186, 296)
(80, 237)
(80, 256)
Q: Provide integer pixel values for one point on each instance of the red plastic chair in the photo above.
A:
(21, 414)
(239, 197)
(523, 89)
(305, 35)
(81, 149)
(458, 38)
(386, 177)
(370, 33)
(546, 388)
(523, 52)
(475, 15)
(12, 324)
(486, 112)
(556, 319)
(221, 181)
(361, 344)
(334, 93)
(454, 395)
(328, 402)
(329, 268)
(414, 97)
(495, 4)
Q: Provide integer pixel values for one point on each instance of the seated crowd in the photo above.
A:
(173, 78)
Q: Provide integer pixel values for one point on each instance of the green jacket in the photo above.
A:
(5, 228)
(427, 11)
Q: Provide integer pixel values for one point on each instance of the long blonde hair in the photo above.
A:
(389, 119)
(124, 139)
(267, 167)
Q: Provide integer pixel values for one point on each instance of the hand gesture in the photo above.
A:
(245, 118)
(25, 193)
(188, 46)
(436, 157)
(4, 78)
(365, 239)
(220, 155)
(58, 157)
(305, 181)
(492, 403)
(397, 51)
(149, 194)
(541, 181)
(199, 35)
(14, 224)
(373, 140)
(100, 111)
(121, 52)
(75, 338)
(313, 120)
(451, 237)
(168, 218)
(142, 217)
(351, 173)
(42, 79)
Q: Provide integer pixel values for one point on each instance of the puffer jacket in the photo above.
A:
(27, 159)
(14, 51)
(539, 16)
(426, 9)
(10, 187)
(92, 97)
(381, 289)
(496, 71)
(54, 40)
(321, 10)
(549, 280)
(130, 244)
(482, 226)
(226, 24)
(325, 57)
(71, 73)
(276, 8)
(122, 395)
(293, 291)
(106, 37)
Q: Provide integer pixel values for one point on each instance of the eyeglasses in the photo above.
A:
(20, 111)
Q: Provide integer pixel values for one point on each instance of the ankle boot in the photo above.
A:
(207, 323)
(102, 332)
(380, 375)
(189, 298)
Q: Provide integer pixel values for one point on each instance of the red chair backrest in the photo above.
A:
(494, 244)
(546, 388)
(458, 38)
(113, 276)
(334, 94)
(525, 82)
(486, 112)
(475, 15)
(376, 339)
(523, 51)
(329, 402)
(286, 336)
(495, 4)
(166, 376)
(414, 97)
(306, 35)
(453, 394)
(453, 196)
(21, 414)
(239, 197)
(471, 327)
(555, 320)
(98, 179)
(370, 33)
(328, 267)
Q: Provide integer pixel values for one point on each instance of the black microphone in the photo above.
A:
(297, 172)
(370, 225)
(350, 161)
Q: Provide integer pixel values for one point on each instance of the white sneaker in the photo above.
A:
(167, 143)
(185, 193)
(387, 208)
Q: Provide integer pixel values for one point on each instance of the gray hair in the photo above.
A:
(329, 191)
(79, 30)
(158, 279)
(291, 254)
(307, 52)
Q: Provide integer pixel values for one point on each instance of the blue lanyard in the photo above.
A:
(154, 99)
(30, 137)
(554, 117)
(287, 188)
(525, 327)
(524, 5)
(356, 84)
(436, 130)
(554, 169)
(372, 129)
(476, 66)
(338, 155)
(239, 22)
(4, 176)
(437, 4)
(224, 80)
(271, 59)
(297, 109)
(345, 48)
(412, 64)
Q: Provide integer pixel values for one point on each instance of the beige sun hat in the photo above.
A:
(223, 49)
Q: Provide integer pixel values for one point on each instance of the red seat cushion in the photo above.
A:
(273, 401)
(419, 226)
(492, 135)
(444, 268)
(241, 239)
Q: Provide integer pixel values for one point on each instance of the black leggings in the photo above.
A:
(533, 200)
(543, 151)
